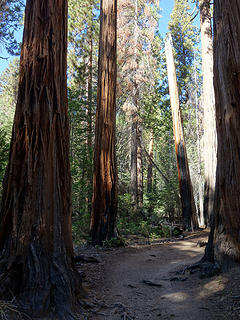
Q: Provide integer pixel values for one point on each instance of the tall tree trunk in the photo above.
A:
(104, 203)
(150, 164)
(139, 168)
(227, 94)
(187, 200)
(36, 264)
(136, 135)
(200, 184)
(134, 183)
(210, 136)
(89, 118)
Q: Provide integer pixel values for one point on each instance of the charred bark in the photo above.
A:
(185, 186)
(36, 264)
(105, 201)
(136, 165)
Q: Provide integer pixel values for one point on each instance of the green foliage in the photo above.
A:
(80, 154)
(11, 12)
(114, 243)
(4, 149)
(8, 99)
(185, 40)
(143, 228)
(82, 75)
(80, 228)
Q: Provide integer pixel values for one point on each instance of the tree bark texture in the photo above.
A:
(105, 201)
(150, 164)
(209, 120)
(36, 264)
(136, 164)
(227, 95)
(89, 118)
(187, 199)
(134, 182)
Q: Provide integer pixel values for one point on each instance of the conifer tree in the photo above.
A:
(185, 185)
(105, 194)
(185, 37)
(136, 29)
(36, 253)
(210, 138)
(10, 16)
(82, 71)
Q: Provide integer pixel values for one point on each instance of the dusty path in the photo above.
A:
(118, 290)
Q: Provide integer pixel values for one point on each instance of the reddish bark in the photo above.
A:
(225, 241)
(104, 203)
(36, 263)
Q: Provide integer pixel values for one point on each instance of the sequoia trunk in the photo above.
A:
(210, 136)
(37, 265)
(104, 203)
(227, 95)
(187, 200)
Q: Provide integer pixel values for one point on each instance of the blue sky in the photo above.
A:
(166, 5)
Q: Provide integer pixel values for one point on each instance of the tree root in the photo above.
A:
(205, 268)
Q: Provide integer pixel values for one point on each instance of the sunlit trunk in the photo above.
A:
(187, 200)
(209, 120)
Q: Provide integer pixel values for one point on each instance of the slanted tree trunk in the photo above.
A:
(36, 264)
(225, 241)
(187, 200)
(150, 164)
(210, 136)
(104, 203)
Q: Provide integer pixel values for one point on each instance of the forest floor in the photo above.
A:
(141, 282)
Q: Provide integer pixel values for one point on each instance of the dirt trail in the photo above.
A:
(119, 287)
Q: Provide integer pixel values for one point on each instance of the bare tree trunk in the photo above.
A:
(150, 164)
(36, 265)
(200, 184)
(134, 183)
(139, 169)
(210, 136)
(135, 150)
(226, 84)
(188, 204)
(104, 203)
(89, 119)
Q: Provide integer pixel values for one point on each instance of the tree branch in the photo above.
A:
(159, 170)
